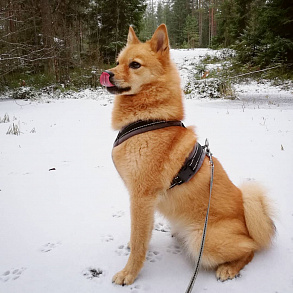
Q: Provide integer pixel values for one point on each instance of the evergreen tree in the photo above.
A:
(160, 14)
(181, 9)
(109, 27)
(148, 23)
(268, 36)
(228, 29)
(191, 32)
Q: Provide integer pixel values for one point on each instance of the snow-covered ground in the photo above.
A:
(64, 211)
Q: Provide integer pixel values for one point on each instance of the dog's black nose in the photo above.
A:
(110, 73)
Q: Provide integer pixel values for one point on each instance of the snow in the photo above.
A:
(64, 211)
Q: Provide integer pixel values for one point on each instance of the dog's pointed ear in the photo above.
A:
(160, 40)
(132, 38)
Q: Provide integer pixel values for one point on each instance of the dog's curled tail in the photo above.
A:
(258, 213)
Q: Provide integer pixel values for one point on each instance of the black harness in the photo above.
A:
(191, 165)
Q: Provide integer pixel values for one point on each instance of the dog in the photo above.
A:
(147, 88)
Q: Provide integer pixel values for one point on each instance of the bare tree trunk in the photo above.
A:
(48, 34)
(212, 23)
(200, 22)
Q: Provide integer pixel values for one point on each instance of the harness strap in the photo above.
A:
(191, 166)
(143, 126)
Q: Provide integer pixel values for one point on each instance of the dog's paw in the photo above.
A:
(227, 272)
(123, 278)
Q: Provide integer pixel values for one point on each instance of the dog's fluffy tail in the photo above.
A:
(258, 214)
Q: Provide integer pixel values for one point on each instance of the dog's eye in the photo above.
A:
(117, 63)
(134, 65)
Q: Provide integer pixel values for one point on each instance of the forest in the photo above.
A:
(68, 42)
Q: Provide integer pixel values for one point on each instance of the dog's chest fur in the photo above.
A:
(152, 159)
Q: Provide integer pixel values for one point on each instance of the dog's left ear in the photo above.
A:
(160, 40)
(132, 38)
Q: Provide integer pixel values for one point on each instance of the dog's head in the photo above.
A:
(139, 64)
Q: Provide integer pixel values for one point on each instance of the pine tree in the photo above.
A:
(148, 23)
(228, 29)
(181, 9)
(268, 36)
(191, 32)
(110, 23)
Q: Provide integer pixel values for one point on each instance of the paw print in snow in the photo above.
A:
(118, 214)
(107, 238)
(161, 227)
(93, 273)
(12, 274)
(153, 256)
(174, 249)
(49, 246)
(138, 288)
(123, 250)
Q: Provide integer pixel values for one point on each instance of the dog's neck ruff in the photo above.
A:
(191, 165)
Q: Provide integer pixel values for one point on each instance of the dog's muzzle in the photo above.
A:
(105, 78)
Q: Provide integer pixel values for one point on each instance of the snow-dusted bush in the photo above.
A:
(25, 93)
(213, 88)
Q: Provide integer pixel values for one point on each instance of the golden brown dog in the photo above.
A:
(147, 85)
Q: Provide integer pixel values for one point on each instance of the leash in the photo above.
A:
(191, 283)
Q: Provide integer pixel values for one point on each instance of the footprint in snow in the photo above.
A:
(118, 214)
(107, 238)
(11, 275)
(162, 227)
(49, 246)
(136, 288)
(153, 256)
(174, 249)
(93, 273)
(123, 250)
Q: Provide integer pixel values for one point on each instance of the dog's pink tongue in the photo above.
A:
(105, 79)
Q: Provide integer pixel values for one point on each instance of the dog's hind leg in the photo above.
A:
(142, 218)
(230, 248)
(230, 270)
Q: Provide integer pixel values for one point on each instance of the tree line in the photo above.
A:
(56, 39)
(261, 31)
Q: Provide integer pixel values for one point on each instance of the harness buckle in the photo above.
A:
(186, 173)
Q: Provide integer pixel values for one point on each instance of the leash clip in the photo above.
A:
(208, 151)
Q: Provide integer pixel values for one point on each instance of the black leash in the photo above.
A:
(191, 283)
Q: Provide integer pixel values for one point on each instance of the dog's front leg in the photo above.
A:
(142, 216)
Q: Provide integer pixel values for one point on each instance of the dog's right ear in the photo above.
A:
(132, 38)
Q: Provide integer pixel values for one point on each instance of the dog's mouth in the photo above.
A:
(109, 84)
(118, 90)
